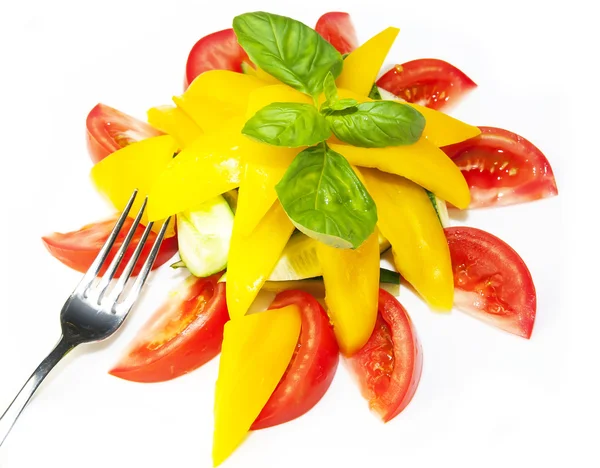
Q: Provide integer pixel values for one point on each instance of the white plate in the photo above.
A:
(486, 398)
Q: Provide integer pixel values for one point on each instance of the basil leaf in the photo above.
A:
(377, 124)
(325, 199)
(374, 93)
(288, 124)
(343, 104)
(288, 50)
(332, 100)
(329, 89)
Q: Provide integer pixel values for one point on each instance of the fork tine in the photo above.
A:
(96, 265)
(145, 270)
(128, 270)
(110, 272)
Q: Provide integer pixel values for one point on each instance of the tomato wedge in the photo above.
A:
(429, 82)
(502, 168)
(337, 28)
(183, 334)
(78, 249)
(491, 281)
(389, 366)
(312, 367)
(217, 51)
(109, 129)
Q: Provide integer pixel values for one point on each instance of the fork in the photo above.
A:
(93, 312)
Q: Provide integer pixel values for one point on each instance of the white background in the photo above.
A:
(486, 398)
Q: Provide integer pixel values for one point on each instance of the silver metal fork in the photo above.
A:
(93, 312)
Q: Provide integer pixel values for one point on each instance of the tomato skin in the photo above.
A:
(503, 168)
(337, 28)
(388, 368)
(190, 334)
(492, 282)
(312, 367)
(217, 51)
(78, 249)
(109, 129)
(432, 83)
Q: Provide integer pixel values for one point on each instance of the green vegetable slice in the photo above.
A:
(204, 235)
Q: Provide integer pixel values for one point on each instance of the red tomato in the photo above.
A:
(217, 51)
(430, 82)
(182, 335)
(312, 367)
(337, 28)
(491, 281)
(388, 367)
(78, 249)
(502, 168)
(109, 130)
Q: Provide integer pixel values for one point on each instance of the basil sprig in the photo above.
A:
(320, 192)
(377, 124)
(332, 100)
(288, 50)
(288, 124)
(326, 200)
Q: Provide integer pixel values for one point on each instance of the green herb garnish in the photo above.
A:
(326, 200)
(320, 191)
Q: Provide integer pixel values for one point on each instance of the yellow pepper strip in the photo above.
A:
(362, 66)
(208, 113)
(264, 76)
(262, 97)
(351, 280)
(256, 351)
(409, 221)
(175, 122)
(136, 166)
(264, 166)
(440, 129)
(216, 96)
(253, 257)
(420, 162)
(226, 86)
(208, 167)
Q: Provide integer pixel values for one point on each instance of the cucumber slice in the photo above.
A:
(203, 235)
(440, 208)
(299, 258)
(390, 281)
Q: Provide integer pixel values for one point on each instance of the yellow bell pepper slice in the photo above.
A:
(253, 257)
(175, 122)
(208, 167)
(264, 166)
(136, 166)
(262, 97)
(421, 162)
(266, 77)
(440, 129)
(256, 351)
(409, 221)
(362, 66)
(224, 85)
(208, 113)
(351, 280)
(216, 96)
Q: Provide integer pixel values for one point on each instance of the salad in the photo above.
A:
(290, 164)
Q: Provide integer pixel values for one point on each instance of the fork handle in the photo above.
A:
(13, 412)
